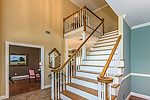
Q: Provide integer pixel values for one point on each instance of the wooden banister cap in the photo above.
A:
(105, 79)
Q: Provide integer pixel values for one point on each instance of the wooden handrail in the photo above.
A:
(74, 12)
(110, 58)
(57, 70)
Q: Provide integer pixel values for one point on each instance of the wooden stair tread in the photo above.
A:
(105, 42)
(88, 72)
(103, 46)
(118, 75)
(115, 85)
(113, 97)
(100, 50)
(85, 79)
(83, 88)
(73, 95)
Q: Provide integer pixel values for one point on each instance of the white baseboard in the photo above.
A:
(128, 97)
(20, 77)
(47, 86)
(2, 97)
(140, 95)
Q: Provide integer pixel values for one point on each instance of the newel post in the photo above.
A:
(106, 81)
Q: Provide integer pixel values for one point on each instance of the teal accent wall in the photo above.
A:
(125, 87)
(140, 60)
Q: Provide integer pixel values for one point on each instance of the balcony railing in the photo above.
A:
(83, 17)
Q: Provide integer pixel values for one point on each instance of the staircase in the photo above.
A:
(96, 76)
(84, 85)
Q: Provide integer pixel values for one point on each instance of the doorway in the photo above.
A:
(7, 58)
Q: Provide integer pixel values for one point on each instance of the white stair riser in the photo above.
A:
(118, 80)
(85, 83)
(105, 43)
(108, 39)
(103, 52)
(121, 63)
(64, 97)
(120, 70)
(107, 35)
(113, 32)
(110, 36)
(98, 63)
(87, 75)
(94, 69)
(100, 57)
(102, 48)
(81, 93)
(115, 91)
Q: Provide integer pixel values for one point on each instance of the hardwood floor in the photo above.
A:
(136, 98)
(23, 86)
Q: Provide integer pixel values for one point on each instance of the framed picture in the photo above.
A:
(18, 59)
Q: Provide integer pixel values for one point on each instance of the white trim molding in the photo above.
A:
(141, 25)
(7, 44)
(144, 75)
(140, 95)
(127, 21)
(47, 86)
(128, 97)
(125, 77)
(2, 97)
(20, 77)
(100, 8)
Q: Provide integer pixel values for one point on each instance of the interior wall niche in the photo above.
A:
(33, 60)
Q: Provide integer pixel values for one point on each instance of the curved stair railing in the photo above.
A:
(62, 76)
(105, 79)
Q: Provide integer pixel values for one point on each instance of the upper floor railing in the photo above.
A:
(84, 18)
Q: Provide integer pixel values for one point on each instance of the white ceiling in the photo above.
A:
(91, 4)
(137, 11)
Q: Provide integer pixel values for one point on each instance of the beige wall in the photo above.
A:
(25, 21)
(110, 18)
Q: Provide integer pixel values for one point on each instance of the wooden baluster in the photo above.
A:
(84, 20)
(106, 94)
(103, 26)
(79, 18)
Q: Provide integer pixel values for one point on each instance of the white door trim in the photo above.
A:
(7, 43)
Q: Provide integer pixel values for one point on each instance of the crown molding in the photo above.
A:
(141, 25)
(127, 21)
(100, 8)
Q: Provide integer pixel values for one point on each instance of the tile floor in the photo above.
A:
(35, 95)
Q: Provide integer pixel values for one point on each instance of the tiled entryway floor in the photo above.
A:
(43, 94)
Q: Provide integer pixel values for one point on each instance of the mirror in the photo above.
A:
(54, 59)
